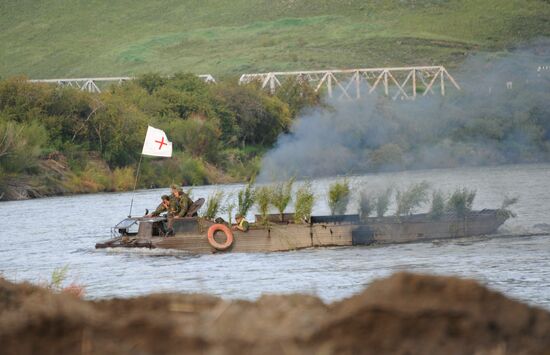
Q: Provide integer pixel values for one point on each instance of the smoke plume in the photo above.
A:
(500, 115)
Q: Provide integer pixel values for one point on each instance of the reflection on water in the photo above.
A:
(40, 235)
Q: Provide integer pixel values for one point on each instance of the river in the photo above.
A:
(38, 236)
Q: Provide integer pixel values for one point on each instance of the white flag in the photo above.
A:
(156, 143)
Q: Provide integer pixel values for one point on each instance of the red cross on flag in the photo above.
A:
(156, 143)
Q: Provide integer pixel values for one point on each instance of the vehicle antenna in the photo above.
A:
(135, 184)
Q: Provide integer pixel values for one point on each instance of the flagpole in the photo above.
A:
(135, 184)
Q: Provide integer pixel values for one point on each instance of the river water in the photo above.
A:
(38, 236)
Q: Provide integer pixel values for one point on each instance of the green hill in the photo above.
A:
(65, 38)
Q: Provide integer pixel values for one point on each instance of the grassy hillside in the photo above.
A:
(65, 38)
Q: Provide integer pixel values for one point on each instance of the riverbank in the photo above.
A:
(405, 313)
(54, 177)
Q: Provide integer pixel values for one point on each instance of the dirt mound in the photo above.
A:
(404, 314)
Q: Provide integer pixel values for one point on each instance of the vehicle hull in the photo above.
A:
(190, 234)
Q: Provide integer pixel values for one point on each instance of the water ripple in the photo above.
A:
(63, 231)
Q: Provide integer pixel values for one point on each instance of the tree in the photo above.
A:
(260, 117)
(298, 95)
(20, 145)
(198, 136)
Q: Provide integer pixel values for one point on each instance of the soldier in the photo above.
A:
(183, 203)
(242, 224)
(163, 207)
(173, 199)
(178, 207)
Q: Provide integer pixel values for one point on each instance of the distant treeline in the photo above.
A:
(219, 132)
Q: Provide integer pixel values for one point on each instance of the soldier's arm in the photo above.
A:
(159, 210)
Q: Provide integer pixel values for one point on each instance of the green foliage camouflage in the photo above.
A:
(281, 195)
(415, 196)
(504, 211)
(438, 204)
(213, 205)
(383, 202)
(461, 201)
(229, 208)
(304, 203)
(338, 197)
(263, 196)
(366, 204)
(245, 199)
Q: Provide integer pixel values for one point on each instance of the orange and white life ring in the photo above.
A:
(228, 234)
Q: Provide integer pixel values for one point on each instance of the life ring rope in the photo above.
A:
(228, 234)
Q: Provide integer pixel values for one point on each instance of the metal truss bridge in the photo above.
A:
(93, 84)
(401, 82)
(351, 84)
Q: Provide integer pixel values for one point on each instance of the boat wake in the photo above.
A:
(146, 252)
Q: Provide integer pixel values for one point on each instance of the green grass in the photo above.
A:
(63, 38)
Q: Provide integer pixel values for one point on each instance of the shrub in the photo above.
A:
(304, 203)
(258, 117)
(116, 129)
(181, 168)
(298, 95)
(263, 199)
(243, 164)
(199, 137)
(151, 81)
(412, 198)
(56, 283)
(245, 199)
(59, 275)
(461, 201)
(193, 171)
(213, 205)
(366, 205)
(438, 204)
(20, 144)
(338, 197)
(95, 177)
(123, 178)
(383, 202)
(281, 196)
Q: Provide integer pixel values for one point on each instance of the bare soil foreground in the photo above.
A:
(404, 314)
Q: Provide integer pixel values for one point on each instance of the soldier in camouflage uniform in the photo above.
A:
(163, 207)
(242, 224)
(178, 207)
(173, 199)
(183, 203)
